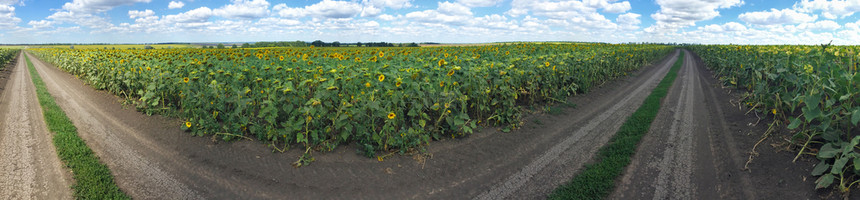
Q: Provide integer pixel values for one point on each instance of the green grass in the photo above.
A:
(597, 180)
(93, 179)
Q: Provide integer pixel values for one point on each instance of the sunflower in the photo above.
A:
(442, 62)
(398, 82)
(188, 124)
(391, 115)
(381, 54)
(185, 79)
(281, 58)
(451, 72)
(381, 77)
(367, 84)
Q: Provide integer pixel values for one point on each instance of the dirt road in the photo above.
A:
(698, 145)
(29, 166)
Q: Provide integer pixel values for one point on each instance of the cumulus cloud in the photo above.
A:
(90, 6)
(175, 5)
(138, 14)
(565, 9)
(323, 9)
(830, 9)
(7, 17)
(827, 25)
(774, 16)
(676, 14)
(479, 3)
(244, 9)
(394, 4)
(41, 24)
(628, 21)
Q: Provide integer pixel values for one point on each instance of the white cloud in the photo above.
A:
(774, 16)
(7, 17)
(449, 8)
(175, 5)
(198, 15)
(41, 24)
(820, 25)
(323, 9)
(394, 4)
(676, 14)
(628, 21)
(479, 3)
(387, 17)
(244, 9)
(727, 27)
(139, 14)
(90, 6)
(447, 13)
(565, 9)
(830, 9)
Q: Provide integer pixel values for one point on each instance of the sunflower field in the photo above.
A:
(814, 91)
(7, 55)
(383, 99)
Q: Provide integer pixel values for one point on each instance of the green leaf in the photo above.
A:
(812, 100)
(811, 113)
(856, 163)
(824, 181)
(855, 117)
(831, 135)
(839, 165)
(827, 151)
(820, 168)
(795, 122)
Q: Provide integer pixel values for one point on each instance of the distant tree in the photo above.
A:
(105, 47)
(220, 46)
(358, 44)
(413, 45)
(246, 45)
(318, 43)
(335, 44)
(148, 47)
(234, 46)
(400, 45)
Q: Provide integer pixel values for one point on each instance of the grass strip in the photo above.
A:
(597, 180)
(93, 179)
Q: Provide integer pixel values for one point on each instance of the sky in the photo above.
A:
(448, 21)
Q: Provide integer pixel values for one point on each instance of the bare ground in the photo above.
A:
(29, 165)
(699, 144)
(152, 159)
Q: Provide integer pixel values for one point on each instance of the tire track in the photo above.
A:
(684, 152)
(29, 165)
(608, 121)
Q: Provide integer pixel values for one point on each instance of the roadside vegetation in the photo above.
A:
(813, 92)
(93, 180)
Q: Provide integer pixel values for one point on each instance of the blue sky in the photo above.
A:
(449, 21)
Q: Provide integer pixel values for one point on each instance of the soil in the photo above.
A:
(699, 145)
(152, 158)
(29, 165)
